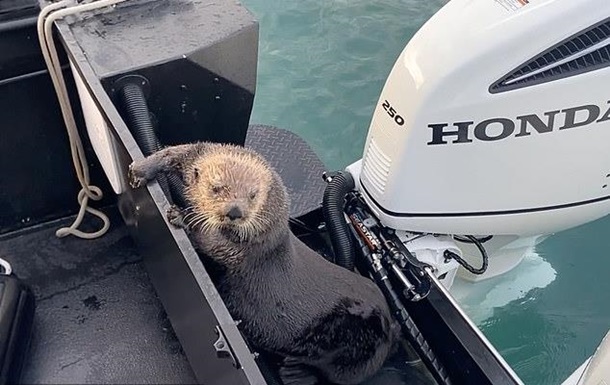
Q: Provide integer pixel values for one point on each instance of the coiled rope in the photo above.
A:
(48, 15)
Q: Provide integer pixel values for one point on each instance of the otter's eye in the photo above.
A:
(216, 189)
(252, 195)
(195, 174)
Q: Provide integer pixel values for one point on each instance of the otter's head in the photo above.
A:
(229, 189)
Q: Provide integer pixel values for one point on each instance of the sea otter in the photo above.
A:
(326, 322)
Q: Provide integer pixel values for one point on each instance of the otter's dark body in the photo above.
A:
(324, 320)
(295, 303)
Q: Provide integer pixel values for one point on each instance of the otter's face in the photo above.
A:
(229, 192)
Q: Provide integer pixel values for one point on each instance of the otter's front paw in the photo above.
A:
(137, 174)
(175, 216)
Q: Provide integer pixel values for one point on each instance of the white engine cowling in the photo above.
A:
(495, 119)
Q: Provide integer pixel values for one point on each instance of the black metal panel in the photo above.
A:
(37, 179)
(16, 9)
(216, 34)
(187, 292)
(19, 43)
(200, 61)
(191, 103)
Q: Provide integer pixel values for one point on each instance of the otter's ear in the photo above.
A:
(189, 173)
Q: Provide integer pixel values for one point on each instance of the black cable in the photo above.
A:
(466, 240)
(416, 237)
(450, 254)
(299, 223)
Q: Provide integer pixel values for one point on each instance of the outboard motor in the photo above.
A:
(490, 129)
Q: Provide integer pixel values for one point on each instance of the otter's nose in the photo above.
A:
(234, 213)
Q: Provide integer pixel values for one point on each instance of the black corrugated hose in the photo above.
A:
(138, 118)
(141, 127)
(332, 208)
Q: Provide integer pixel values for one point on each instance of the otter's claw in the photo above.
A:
(175, 216)
(134, 176)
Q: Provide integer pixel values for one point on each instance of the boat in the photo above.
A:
(106, 290)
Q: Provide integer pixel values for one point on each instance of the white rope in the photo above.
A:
(5, 266)
(46, 18)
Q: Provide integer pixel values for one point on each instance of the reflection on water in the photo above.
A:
(322, 64)
(517, 286)
(548, 333)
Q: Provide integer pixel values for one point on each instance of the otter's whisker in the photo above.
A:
(262, 221)
(202, 220)
(194, 216)
(197, 219)
(191, 215)
(250, 229)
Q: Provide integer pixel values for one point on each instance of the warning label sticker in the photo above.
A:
(512, 5)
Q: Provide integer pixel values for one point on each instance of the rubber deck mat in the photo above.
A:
(300, 168)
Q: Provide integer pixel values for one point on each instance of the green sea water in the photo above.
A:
(322, 65)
